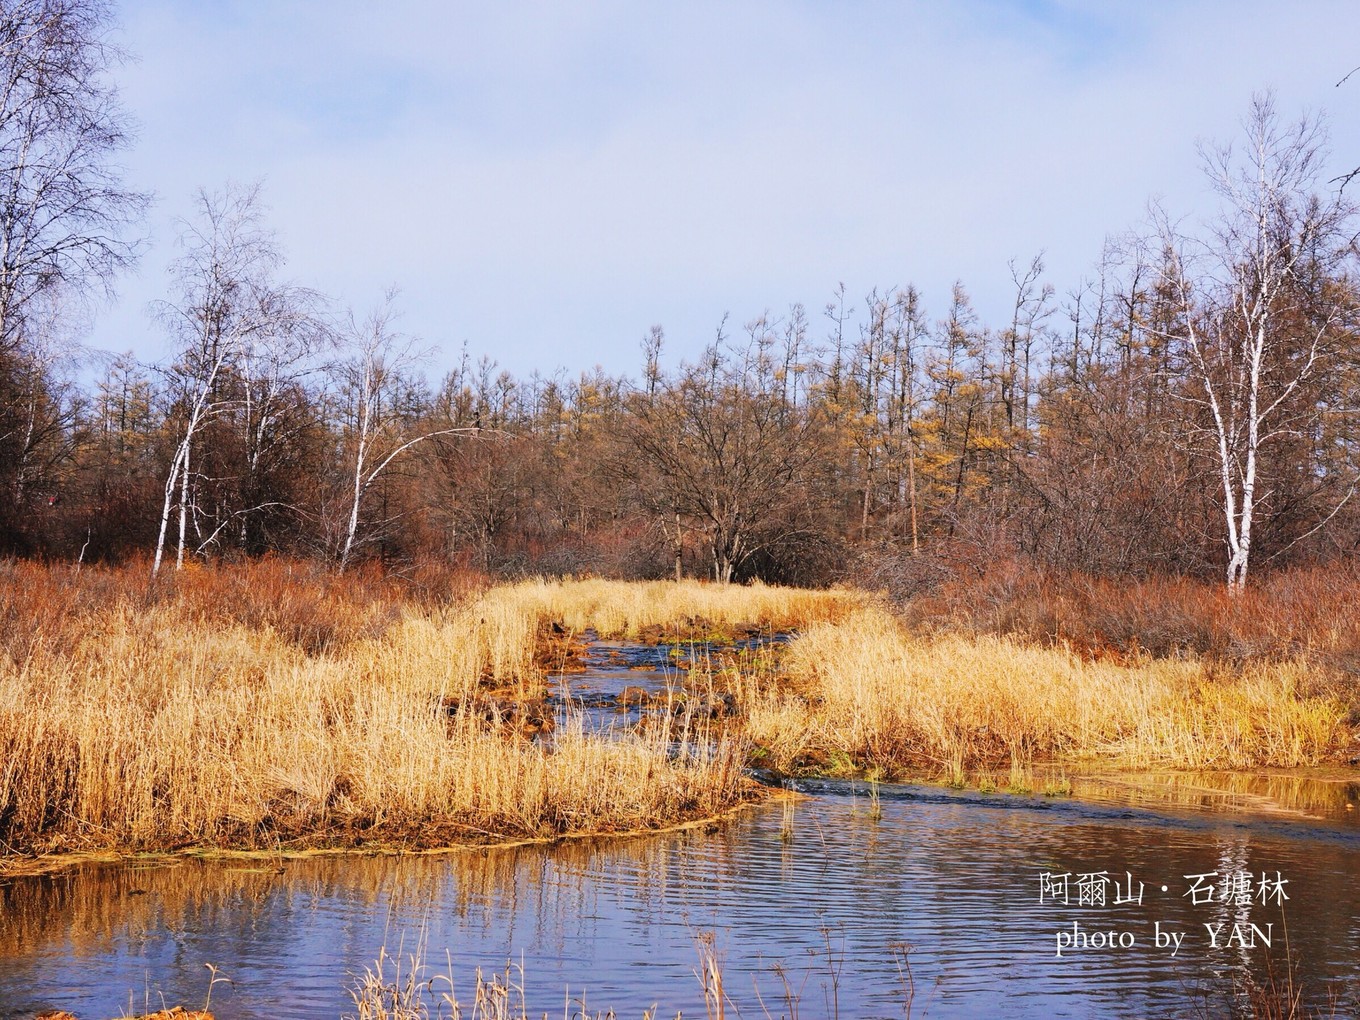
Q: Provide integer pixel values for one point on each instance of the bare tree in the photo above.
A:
(726, 458)
(63, 209)
(1260, 305)
(228, 316)
(381, 424)
(1032, 307)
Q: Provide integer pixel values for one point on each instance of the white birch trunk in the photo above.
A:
(170, 484)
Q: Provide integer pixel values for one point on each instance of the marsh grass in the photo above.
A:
(1278, 994)
(404, 987)
(269, 705)
(1274, 989)
(275, 705)
(690, 609)
(898, 702)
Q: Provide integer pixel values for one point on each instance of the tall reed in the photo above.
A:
(204, 712)
(881, 697)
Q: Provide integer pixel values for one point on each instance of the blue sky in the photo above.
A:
(545, 181)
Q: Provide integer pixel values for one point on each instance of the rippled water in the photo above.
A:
(936, 905)
(611, 669)
(623, 681)
(954, 876)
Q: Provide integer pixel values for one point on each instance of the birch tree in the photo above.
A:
(228, 309)
(1261, 297)
(382, 426)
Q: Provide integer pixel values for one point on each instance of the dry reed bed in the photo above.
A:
(865, 693)
(198, 713)
(272, 702)
(494, 636)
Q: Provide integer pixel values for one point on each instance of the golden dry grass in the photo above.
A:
(274, 703)
(624, 609)
(865, 693)
(229, 708)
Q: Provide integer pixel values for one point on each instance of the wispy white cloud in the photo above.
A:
(546, 180)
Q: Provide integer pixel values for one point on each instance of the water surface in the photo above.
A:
(822, 902)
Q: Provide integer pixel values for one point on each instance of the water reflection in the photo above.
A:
(1315, 795)
(955, 876)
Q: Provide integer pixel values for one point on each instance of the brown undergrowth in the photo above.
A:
(1314, 612)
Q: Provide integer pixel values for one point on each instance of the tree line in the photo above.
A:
(1188, 409)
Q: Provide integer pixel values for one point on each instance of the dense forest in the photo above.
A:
(1187, 410)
